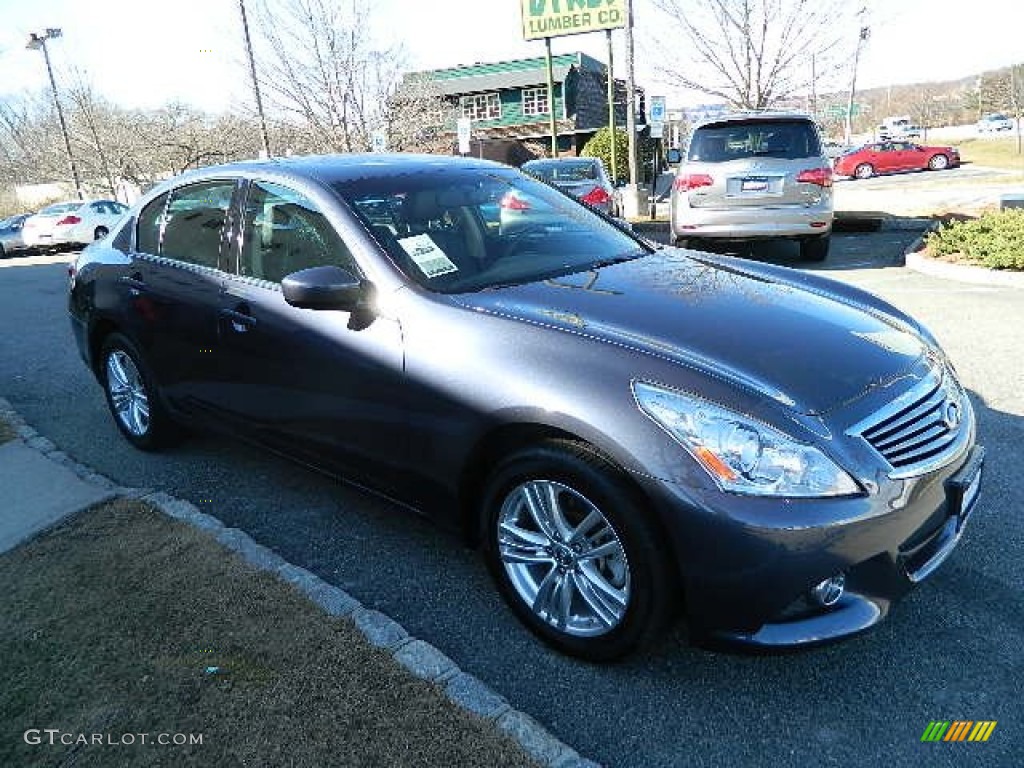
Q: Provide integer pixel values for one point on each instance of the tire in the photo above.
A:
(693, 243)
(100, 233)
(938, 163)
(864, 171)
(815, 248)
(3, 253)
(132, 397)
(597, 608)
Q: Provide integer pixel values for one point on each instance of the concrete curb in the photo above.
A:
(964, 273)
(417, 656)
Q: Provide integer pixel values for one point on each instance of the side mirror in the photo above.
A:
(323, 288)
(674, 157)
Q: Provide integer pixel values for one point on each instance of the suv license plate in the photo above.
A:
(754, 185)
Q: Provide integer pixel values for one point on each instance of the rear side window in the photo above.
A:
(784, 139)
(194, 221)
(285, 232)
(151, 221)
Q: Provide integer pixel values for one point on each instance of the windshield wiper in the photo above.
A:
(629, 256)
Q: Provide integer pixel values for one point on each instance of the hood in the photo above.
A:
(804, 348)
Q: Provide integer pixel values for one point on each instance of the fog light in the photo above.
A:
(830, 590)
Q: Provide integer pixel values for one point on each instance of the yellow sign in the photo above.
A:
(554, 18)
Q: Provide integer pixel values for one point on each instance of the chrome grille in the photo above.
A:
(923, 428)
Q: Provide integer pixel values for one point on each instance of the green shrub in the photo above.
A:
(600, 146)
(995, 240)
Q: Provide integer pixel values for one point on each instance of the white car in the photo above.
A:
(76, 222)
(994, 123)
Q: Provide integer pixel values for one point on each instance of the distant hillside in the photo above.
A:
(951, 102)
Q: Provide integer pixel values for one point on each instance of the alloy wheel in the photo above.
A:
(563, 558)
(127, 392)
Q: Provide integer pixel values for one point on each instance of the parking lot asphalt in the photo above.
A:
(950, 651)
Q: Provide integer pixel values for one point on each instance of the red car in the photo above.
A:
(892, 156)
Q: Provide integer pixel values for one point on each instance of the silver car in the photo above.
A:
(750, 176)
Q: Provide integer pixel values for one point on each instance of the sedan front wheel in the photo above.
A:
(864, 171)
(938, 162)
(573, 552)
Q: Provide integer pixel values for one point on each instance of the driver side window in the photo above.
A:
(285, 232)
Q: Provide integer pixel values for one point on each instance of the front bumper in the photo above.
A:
(749, 583)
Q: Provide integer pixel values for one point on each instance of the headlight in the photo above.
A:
(741, 454)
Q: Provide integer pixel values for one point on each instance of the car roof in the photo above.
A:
(558, 160)
(341, 168)
(753, 116)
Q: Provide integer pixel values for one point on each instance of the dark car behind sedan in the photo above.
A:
(582, 177)
(626, 431)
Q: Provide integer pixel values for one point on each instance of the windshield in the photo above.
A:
(462, 230)
(53, 210)
(736, 140)
(563, 171)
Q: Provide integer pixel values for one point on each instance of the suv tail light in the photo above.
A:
(69, 220)
(512, 203)
(596, 196)
(690, 181)
(820, 176)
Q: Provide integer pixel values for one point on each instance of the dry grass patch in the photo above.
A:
(109, 625)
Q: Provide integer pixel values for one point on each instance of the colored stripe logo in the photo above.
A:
(959, 730)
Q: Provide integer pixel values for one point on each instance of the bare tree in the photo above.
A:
(752, 53)
(321, 66)
(418, 118)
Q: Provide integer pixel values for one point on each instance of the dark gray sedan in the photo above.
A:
(582, 177)
(626, 431)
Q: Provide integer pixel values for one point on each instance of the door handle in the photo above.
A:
(240, 321)
(134, 282)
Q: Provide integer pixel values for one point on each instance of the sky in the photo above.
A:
(144, 53)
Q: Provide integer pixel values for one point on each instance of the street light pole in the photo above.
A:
(255, 81)
(35, 42)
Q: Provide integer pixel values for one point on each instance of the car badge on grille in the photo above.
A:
(951, 415)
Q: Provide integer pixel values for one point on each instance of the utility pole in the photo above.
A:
(631, 95)
(865, 33)
(1015, 103)
(611, 109)
(814, 86)
(35, 42)
(255, 81)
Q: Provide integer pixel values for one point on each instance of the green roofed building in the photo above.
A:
(508, 104)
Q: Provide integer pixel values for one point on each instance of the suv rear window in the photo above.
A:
(736, 140)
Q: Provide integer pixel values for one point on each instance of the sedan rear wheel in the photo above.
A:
(938, 162)
(864, 171)
(132, 396)
(573, 553)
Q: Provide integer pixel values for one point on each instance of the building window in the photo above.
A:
(535, 101)
(482, 106)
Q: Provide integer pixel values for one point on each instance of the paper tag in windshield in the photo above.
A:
(431, 260)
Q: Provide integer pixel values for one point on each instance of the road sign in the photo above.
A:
(839, 110)
(552, 18)
(656, 130)
(379, 141)
(465, 128)
(657, 109)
